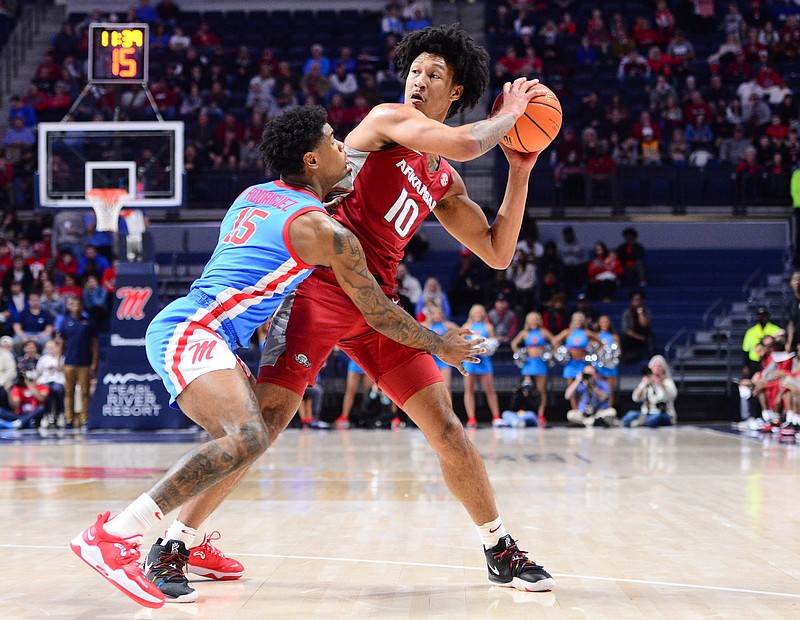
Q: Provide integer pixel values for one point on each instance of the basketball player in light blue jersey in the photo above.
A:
(273, 235)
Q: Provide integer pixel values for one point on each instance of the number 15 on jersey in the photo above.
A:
(245, 225)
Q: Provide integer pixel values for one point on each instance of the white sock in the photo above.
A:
(136, 519)
(767, 414)
(181, 531)
(491, 532)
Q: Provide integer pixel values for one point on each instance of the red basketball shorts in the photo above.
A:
(318, 316)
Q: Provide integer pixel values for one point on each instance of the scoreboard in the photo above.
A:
(118, 53)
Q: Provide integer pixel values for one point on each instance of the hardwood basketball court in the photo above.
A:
(632, 523)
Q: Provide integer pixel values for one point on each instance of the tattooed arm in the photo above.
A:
(403, 124)
(319, 240)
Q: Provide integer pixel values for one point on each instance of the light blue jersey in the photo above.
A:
(251, 271)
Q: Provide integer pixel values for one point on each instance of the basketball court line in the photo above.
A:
(647, 582)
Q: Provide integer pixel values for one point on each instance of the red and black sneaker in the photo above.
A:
(208, 561)
(509, 566)
(166, 568)
(116, 559)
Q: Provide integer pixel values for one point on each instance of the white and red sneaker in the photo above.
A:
(116, 559)
(208, 561)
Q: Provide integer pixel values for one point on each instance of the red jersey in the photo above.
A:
(393, 193)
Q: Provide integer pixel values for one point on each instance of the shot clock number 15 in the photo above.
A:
(119, 53)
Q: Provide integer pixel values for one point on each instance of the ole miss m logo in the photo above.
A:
(132, 300)
(202, 350)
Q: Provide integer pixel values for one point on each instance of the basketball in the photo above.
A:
(538, 127)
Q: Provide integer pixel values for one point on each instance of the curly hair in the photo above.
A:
(468, 61)
(290, 136)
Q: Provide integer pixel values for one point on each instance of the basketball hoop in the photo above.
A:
(107, 203)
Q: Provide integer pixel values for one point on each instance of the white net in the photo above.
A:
(107, 203)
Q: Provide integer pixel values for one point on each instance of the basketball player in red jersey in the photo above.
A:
(399, 176)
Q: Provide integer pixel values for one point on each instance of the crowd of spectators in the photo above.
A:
(642, 84)
(54, 301)
(667, 83)
(222, 89)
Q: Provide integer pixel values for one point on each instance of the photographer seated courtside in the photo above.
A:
(657, 393)
(593, 394)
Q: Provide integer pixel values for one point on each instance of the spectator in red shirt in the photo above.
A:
(6, 259)
(36, 98)
(665, 21)
(631, 255)
(740, 69)
(337, 116)
(109, 278)
(229, 123)
(66, 264)
(6, 183)
(58, 103)
(776, 130)
(696, 107)
(70, 287)
(166, 98)
(27, 398)
(643, 32)
(37, 261)
(204, 37)
(767, 77)
(659, 63)
(556, 318)
(601, 169)
(604, 271)
(645, 121)
(511, 62)
(567, 27)
(48, 70)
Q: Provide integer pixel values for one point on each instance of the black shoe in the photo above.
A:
(166, 567)
(509, 566)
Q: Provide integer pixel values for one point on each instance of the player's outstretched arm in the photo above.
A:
(463, 218)
(320, 240)
(403, 124)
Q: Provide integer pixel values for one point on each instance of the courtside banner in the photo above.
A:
(132, 397)
(135, 304)
(129, 394)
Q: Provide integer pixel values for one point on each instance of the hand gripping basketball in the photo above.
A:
(538, 125)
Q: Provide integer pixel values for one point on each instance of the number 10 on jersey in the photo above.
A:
(403, 213)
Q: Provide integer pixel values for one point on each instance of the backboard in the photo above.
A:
(143, 158)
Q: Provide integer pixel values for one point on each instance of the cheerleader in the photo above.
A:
(534, 337)
(608, 337)
(478, 324)
(576, 338)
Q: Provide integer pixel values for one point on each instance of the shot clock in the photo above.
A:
(118, 53)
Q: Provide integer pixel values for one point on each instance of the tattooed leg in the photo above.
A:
(278, 406)
(223, 403)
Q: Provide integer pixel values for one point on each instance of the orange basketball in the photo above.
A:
(538, 127)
